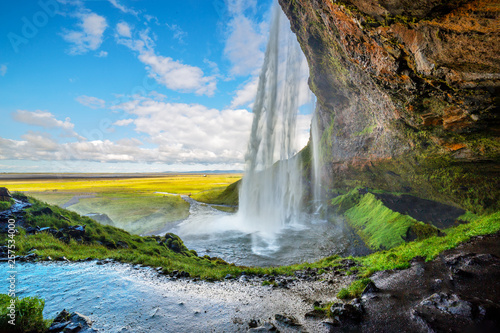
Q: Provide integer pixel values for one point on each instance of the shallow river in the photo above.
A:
(123, 298)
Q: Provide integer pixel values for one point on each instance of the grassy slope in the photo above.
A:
(136, 213)
(4, 205)
(378, 226)
(220, 196)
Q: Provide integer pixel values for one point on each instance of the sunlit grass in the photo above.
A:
(178, 184)
(133, 204)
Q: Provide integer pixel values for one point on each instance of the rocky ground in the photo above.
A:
(457, 292)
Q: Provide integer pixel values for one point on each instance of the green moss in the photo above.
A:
(423, 230)
(4, 205)
(269, 283)
(354, 290)
(28, 315)
(347, 201)
(377, 225)
(399, 257)
(366, 130)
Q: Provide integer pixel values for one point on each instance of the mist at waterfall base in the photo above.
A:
(270, 227)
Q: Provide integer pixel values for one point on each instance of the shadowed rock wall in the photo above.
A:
(407, 95)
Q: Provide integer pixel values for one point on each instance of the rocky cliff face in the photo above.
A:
(407, 94)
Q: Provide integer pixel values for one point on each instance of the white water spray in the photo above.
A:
(316, 163)
(271, 191)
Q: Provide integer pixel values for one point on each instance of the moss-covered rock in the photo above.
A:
(406, 95)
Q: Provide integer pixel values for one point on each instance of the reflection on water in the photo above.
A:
(215, 233)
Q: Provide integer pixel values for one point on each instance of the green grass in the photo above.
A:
(28, 315)
(399, 257)
(378, 226)
(4, 205)
(178, 184)
(354, 289)
(220, 196)
(136, 213)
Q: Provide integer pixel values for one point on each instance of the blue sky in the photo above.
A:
(129, 86)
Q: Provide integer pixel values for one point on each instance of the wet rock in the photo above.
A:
(266, 327)
(342, 312)
(228, 277)
(447, 303)
(287, 320)
(76, 231)
(29, 257)
(71, 322)
(315, 314)
(370, 288)
(32, 230)
(5, 194)
(49, 230)
(58, 327)
(63, 316)
(348, 263)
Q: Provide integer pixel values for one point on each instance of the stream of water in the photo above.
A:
(125, 298)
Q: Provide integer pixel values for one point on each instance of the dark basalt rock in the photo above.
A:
(286, 320)
(42, 211)
(370, 288)
(71, 322)
(266, 327)
(5, 194)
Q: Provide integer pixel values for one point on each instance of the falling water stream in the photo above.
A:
(271, 227)
(271, 191)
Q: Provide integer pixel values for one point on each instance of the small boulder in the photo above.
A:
(287, 320)
(370, 288)
(43, 211)
(5, 194)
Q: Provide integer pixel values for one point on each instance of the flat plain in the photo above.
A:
(138, 203)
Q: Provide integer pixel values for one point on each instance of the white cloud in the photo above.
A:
(176, 133)
(171, 73)
(244, 46)
(246, 94)
(90, 35)
(102, 54)
(123, 122)
(238, 7)
(91, 102)
(42, 118)
(123, 29)
(179, 34)
(46, 120)
(246, 37)
(3, 69)
(122, 8)
(191, 133)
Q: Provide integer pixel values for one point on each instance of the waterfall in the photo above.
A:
(316, 163)
(271, 190)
